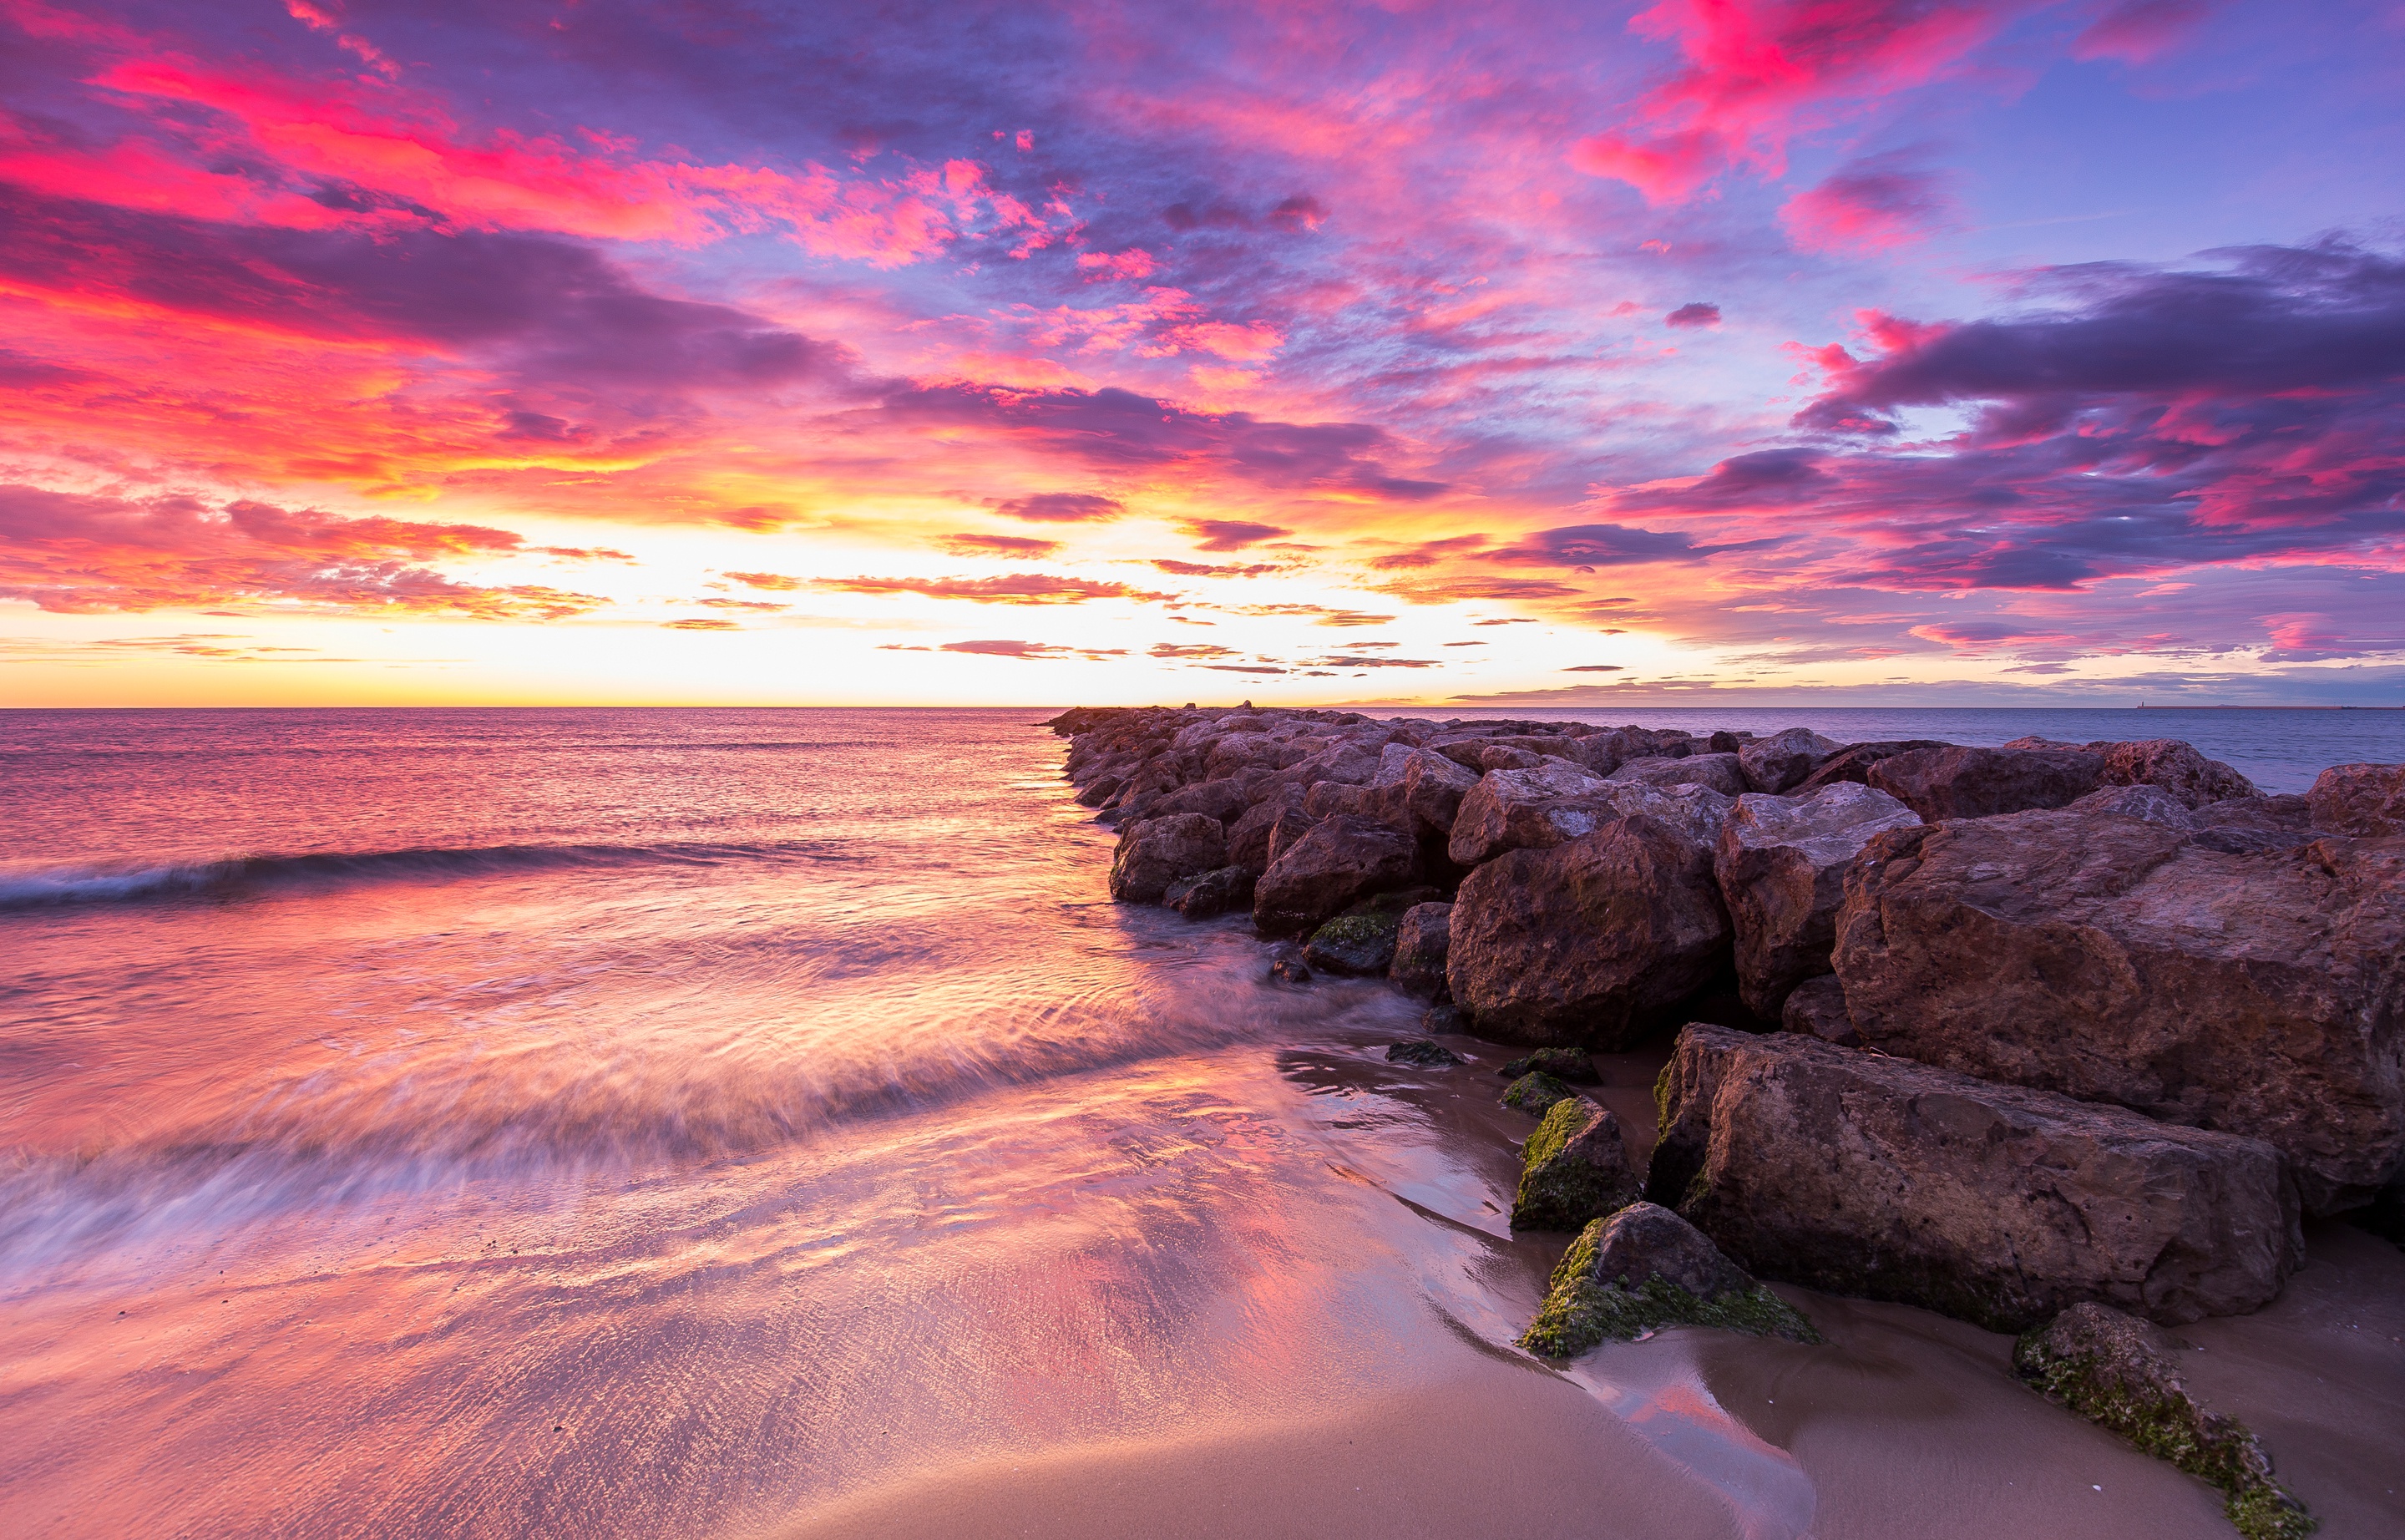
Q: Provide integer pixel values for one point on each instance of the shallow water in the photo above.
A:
(598, 1123)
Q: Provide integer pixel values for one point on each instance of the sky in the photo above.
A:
(1876, 351)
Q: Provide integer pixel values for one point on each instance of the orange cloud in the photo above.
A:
(1016, 589)
(81, 555)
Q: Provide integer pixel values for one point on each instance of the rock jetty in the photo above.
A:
(2066, 1027)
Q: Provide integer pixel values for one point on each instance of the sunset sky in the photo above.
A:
(1890, 350)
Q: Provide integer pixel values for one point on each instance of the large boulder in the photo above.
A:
(1591, 941)
(1573, 1168)
(1533, 809)
(1248, 836)
(2123, 1374)
(2173, 765)
(1854, 761)
(1867, 1175)
(1224, 800)
(1340, 862)
(1157, 852)
(1721, 772)
(1780, 762)
(2169, 764)
(1957, 783)
(2366, 801)
(1526, 809)
(1361, 942)
(1421, 942)
(1782, 866)
(2120, 961)
(1427, 786)
(1645, 1268)
(1214, 891)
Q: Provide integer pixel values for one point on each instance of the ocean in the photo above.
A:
(588, 1122)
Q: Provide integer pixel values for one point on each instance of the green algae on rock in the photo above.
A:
(2118, 1372)
(1535, 1091)
(1644, 1268)
(1421, 1051)
(1361, 943)
(1573, 1168)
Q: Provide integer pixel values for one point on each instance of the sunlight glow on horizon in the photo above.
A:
(1550, 354)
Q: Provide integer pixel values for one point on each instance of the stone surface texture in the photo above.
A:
(1782, 866)
(1644, 1268)
(1587, 941)
(2364, 800)
(1573, 1168)
(1157, 852)
(1341, 860)
(1817, 1008)
(1527, 810)
(1421, 942)
(1957, 783)
(1721, 772)
(2118, 961)
(1866, 1175)
(1780, 762)
(1214, 891)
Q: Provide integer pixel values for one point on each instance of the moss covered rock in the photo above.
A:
(2119, 1373)
(1536, 1093)
(1357, 943)
(1573, 1168)
(1644, 1268)
(1420, 1051)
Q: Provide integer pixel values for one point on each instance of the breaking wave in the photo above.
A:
(34, 886)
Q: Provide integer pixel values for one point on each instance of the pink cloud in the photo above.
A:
(1135, 263)
(1758, 73)
(1868, 205)
(2136, 32)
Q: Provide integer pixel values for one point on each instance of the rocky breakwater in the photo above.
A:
(2170, 1006)
(2069, 1028)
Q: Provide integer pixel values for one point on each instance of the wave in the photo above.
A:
(37, 887)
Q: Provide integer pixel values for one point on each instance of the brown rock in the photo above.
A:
(1421, 944)
(1527, 810)
(1533, 809)
(1249, 836)
(1719, 771)
(1210, 893)
(1224, 800)
(1782, 868)
(1956, 782)
(2175, 767)
(2365, 801)
(2122, 1374)
(1155, 853)
(2119, 961)
(1590, 941)
(1342, 861)
(1867, 1175)
(1854, 761)
(1573, 1168)
(2246, 825)
(1780, 762)
(1817, 1008)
